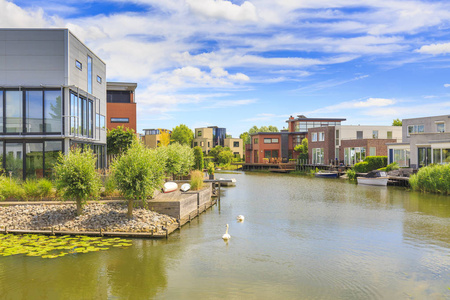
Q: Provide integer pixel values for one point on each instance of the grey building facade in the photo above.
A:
(52, 97)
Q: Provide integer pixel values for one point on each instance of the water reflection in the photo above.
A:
(303, 238)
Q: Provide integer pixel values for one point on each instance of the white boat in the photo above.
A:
(185, 187)
(170, 186)
(374, 178)
(232, 183)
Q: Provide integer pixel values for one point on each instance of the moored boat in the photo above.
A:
(170, 186)
(326, 174)
(232, 183)
(376, 177)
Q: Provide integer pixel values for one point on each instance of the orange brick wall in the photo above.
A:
(121, 110)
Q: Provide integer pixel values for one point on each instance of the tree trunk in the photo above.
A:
(130, 209)
(79, 207)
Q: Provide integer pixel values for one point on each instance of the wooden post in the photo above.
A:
(101, 233)
(53, 230)
(219, 191)
(6, 229)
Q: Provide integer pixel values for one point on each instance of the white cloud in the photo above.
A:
(222, 9)
(435, 49)
(374, 102)
(12, 15)
(447, 85)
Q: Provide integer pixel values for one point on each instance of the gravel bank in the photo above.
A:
(108, 217)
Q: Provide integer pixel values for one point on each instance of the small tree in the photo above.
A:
(198, 158)
(397, 122)
(164, 139)
(137, 173)
(225, 157)
(180, 159)
(119, 139)
(76, 176)
(182, 135)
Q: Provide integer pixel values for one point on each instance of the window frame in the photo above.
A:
(78, 65)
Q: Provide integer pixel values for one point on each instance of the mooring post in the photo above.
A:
(6, 229)
(219, 191)
(53, 230)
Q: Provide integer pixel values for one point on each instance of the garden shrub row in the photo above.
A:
(433, 178)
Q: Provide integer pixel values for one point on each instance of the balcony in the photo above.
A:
(248, 147)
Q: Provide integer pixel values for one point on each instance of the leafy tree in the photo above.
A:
(137, 173)
(119, 139)
(198, 158)
(225, 157)
(303, 147)
(397, 122)
(164, 139)
(215, 152)
(182, 135)
(180, 159)
(77, 177)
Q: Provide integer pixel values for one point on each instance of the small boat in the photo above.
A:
(326, 174)
(170, 186)
(232, 183)
(374, 178)
(185, 187)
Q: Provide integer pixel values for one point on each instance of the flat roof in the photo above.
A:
(317, 119)
(120, 86)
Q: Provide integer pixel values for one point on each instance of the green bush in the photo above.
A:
(361, 167)
(376, 162)
(137, 173)
(433, 178)
(390, 167)
(196, 180)
(351, 174)
(45, 187)
(110, 187)
(11, 189)
(180, 159)
(76, 176)
(198, 158)
(31, 190)
(211, 168)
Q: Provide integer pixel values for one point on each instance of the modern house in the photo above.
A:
(152, 137)
(424, 141)
(279, 146)
(52, 97)
(235, 145)
(349, 144)
(212, 136)
(121, 105)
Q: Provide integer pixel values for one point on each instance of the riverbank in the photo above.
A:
(109, 217)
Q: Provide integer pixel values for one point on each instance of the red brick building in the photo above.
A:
(121, 105)
(279, 146)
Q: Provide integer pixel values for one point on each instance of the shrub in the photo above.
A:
(11, 189)
(77, 177)
(180, 159)
(196, 180)
(351, 174)
(45, 187)
(361, 167)
(198, 158)
(390, 167)
(110, 186)
(433, 178)
(211, 168)
(137, 173)
(31, 190)
(376, 162)
(225, 157)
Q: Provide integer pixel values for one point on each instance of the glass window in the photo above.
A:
(89, 71)
(267, 154)
(235, 144)
(359, 135)
(84, 116)
(255, 141)
(1, 154)
(91, 118)
(372, 151)
(389, 134)
(99, 79)
(14, 111)
(274, 141)
(195, 144)
(275, 153)
(410, 129)
(401, 156)
(52, 150)
(420, 128)
(321, 136)
(445, 156)
(34, 160)
(375, 134)
(52, 111)
(1, 113)
(14, 159)
(199, 133)
(437, 156)
(33, 111)
(102, 122)
(314, 137)
(440, 127)
(79, 65)
(267, 141)
(317, 156)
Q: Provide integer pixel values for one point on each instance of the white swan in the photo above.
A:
(240, 218)
(226, 236)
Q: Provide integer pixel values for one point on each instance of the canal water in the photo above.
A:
(302, 238)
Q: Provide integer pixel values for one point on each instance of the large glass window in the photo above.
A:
(34, 160)
(89, 63)
(91, 119)
(33, 111)
(354, 155)
(1, 112)
(359, 135)
(375, 134)
(401, 156)
(52, 111)
(389, 134)
(14, 111)
(1, 154)
(314, 137)
(321, 136)
(424, 156)
(14, 159)
(52, 150)
(317, 156)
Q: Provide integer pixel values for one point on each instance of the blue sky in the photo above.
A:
(236, 64)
